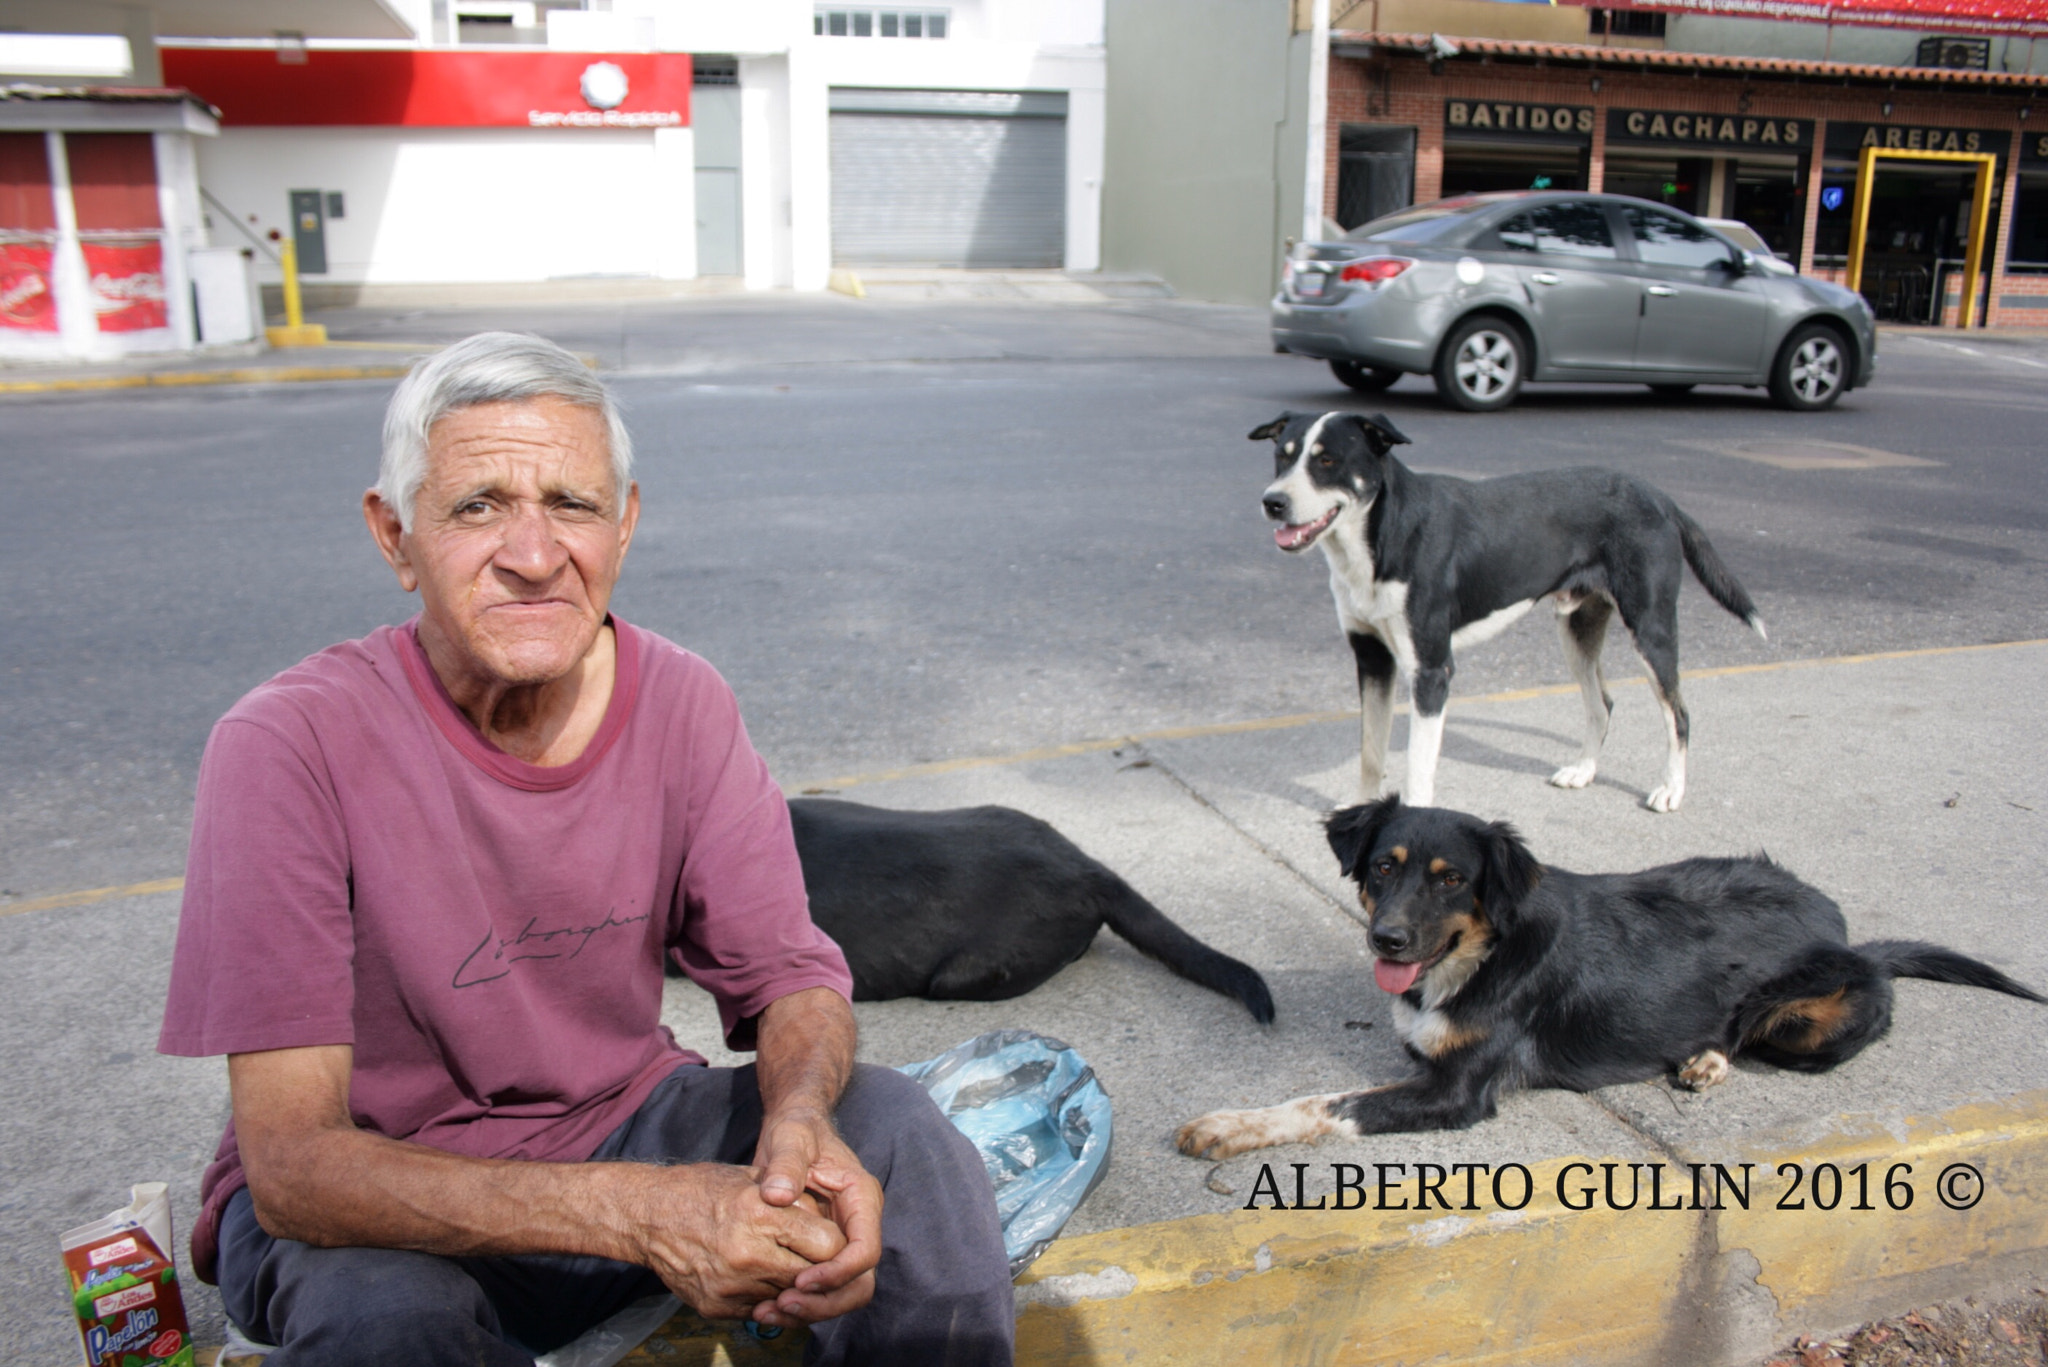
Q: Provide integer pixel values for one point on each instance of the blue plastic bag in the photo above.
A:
(1040, 1119)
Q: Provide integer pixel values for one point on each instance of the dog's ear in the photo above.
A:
(1510, 875)
(1381, 432)
(1267, 431)
(1353, 830)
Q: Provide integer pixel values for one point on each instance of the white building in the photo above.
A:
(508, 142)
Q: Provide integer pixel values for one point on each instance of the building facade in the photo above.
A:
(1238, 128)
(1774, 142)
(661, 141)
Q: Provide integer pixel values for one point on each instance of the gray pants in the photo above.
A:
(942, 1291)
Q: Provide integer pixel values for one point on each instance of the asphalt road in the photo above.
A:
(905, 533)
(913, 532)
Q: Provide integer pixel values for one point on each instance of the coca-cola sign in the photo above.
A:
(27, 303)
(127, 285)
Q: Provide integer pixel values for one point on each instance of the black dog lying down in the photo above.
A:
(979, 904)
(1505, 974)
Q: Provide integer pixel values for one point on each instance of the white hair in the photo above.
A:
(490, 367)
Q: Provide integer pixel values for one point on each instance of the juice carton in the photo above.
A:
(124, 1286)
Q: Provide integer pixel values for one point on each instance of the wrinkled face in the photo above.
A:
(1418, 886)
(1324, 465)
(518, 535)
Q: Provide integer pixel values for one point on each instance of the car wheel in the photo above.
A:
(1366, 379)
(1671, 391)
(1480, 368)
(1812, 369)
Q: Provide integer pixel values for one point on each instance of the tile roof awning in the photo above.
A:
(107, 108)
(1356, 44)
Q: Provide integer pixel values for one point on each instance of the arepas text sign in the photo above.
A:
(1718, 132)
(1849, 139)
(1489, 120)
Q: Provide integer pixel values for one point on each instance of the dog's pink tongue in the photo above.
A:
(1287, 538)
(1393, 977)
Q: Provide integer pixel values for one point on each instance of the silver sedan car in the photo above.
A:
(1483, 292)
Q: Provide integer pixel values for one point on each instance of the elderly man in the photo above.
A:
(433, 876)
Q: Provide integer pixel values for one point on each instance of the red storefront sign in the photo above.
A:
(2019, 17)
(27, 301)
(127, 285)
(438, 89)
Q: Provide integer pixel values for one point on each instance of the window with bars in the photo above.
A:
(884, 23)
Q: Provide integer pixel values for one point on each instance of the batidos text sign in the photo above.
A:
(1492, 120)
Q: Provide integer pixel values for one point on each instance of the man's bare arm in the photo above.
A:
(804, 1059)
(314, 1177)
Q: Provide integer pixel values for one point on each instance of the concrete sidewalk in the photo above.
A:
(1911, 788)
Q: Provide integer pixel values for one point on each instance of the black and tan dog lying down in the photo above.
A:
(1506, 974)
(979, 904)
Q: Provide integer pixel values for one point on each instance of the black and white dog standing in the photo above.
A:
(1423, 565)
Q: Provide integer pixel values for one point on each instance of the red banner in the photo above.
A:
(421, 88)
(127, 285)
(27, 302)
(1994, 17)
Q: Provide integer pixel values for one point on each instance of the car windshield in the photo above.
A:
(1424, 224)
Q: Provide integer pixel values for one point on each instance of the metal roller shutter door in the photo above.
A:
(948, 178)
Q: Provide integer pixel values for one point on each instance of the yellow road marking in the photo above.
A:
(88, 895)
(1090, 747)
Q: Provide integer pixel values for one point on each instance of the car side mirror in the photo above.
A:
(1742, 263)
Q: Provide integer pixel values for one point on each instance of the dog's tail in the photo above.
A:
(1917, 959)
(1148, 929)
(1713, 575)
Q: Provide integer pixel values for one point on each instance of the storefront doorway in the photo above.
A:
(1681, 182)
(1769, 194)
(1472, 168)
(1918, 228)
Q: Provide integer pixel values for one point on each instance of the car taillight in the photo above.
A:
(1376, 269)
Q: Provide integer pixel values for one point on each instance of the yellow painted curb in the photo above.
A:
(178, 379)
(300, 334)
(1551, 1284)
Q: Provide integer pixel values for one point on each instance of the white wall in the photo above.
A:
(471, 205)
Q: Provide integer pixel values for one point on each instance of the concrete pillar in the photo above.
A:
(766, 209)
(2000, 229)
(1814, 173)
(675, 203)
(76, 322)
(810, 170)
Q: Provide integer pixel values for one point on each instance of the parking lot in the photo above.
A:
(918, 535)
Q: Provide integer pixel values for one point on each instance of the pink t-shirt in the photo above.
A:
(367, 869)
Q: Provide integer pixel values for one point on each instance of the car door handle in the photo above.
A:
(1661, 291)
(1544, 278)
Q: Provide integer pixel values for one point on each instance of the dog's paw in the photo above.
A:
(1224, 1134)
(1221, 1134)
(1664, 798)
(1704, 1070)
(1575, 775)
